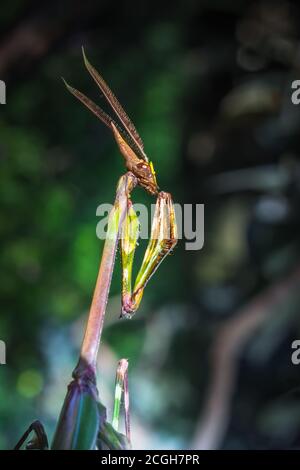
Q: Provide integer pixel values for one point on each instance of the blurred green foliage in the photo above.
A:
(206, 84)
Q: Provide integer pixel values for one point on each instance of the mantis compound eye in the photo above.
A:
(146, 177)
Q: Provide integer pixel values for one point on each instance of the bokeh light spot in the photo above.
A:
(30, 383)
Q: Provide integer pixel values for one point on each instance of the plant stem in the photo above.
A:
(92, 337)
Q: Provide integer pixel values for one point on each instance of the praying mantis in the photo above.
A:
(164, 232)
(83, 423)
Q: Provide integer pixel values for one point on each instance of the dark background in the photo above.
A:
(208, 85)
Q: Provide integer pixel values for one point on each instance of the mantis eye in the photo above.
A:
(143, 166)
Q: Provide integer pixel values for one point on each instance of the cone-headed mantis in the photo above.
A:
(164, 232)
(82, 423)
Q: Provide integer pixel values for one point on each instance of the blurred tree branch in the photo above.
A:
(224, 358)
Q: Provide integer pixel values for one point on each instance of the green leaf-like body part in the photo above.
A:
(110, 439)
(78, 424)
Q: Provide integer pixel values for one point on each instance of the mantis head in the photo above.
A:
(142, 169)
(126, 135)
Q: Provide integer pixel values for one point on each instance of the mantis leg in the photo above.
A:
(121, 390)
(109, 437)
(90, 345)
(40, 440)
(163, 240)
